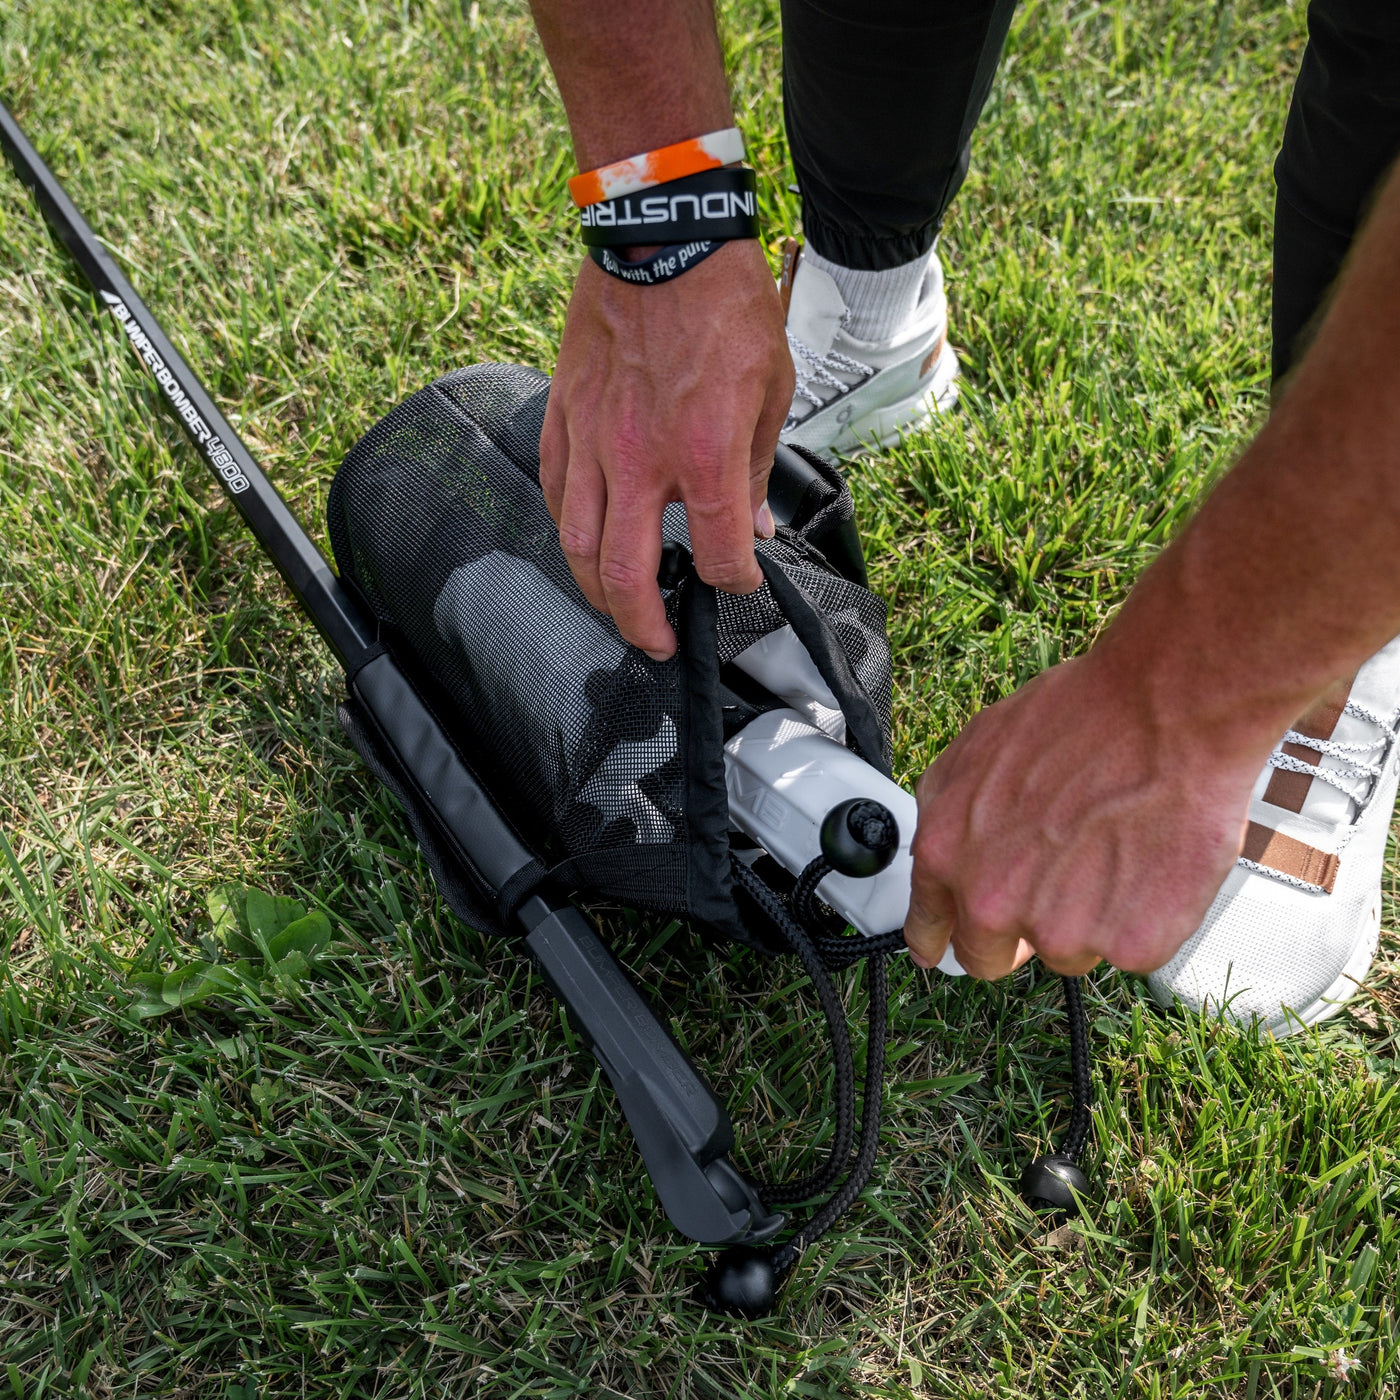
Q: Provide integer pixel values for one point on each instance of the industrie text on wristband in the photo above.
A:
(713, 206)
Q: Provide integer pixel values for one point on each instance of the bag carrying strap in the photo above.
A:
(864, 733)
(709, 894)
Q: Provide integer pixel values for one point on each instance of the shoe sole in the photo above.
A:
(884, 426)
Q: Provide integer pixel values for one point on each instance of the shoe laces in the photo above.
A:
(1356, 773)
(814, 370)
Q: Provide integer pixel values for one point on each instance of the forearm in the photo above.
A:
(634, 75)
(1098, 811)
(1289, 576)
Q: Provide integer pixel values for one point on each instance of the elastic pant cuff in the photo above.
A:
(863, 251)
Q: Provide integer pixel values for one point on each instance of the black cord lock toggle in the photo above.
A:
(860, 837)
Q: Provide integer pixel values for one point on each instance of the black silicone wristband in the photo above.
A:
(665, 265)
(711, 207)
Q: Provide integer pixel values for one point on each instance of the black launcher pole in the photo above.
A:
(293, 551)
(683, 1131)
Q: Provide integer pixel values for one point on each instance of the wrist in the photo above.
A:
(1195, 670)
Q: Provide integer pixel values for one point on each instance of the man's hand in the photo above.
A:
(1068, 821)
(674, 392)
(1097, 811)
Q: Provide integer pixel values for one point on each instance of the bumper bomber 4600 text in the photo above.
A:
(218, 455)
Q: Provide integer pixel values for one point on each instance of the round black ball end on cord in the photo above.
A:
(860, 837)
(742, 1282)
(1052, 1182)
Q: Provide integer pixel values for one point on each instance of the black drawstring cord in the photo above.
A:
(837, 949)
(840, 950)
(1054, 1182)
(773, 1194)
(829, 950)
(1081, 1085)
(744, 1279)
(787, 1253)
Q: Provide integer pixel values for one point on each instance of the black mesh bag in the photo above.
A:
(609, 764)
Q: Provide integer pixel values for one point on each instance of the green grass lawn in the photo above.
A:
(403, 1176)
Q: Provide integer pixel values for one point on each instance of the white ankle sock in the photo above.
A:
(878, 303)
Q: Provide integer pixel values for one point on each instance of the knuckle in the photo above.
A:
(715, 481)
(930, 881)
(1140, 954)
(710, 479)
(730, 573)
(577, 541)
(971, 958)
(1063, 949)
(928, 846)
(620, 575)
(552, 488)
(554, 447)
(632, 447)
(989, 912)
(927, 936)
(554, 459)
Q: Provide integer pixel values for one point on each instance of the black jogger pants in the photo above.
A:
(882, 96)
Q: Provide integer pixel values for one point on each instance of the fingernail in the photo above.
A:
(659, 655)
(919, 960)
(766, 526)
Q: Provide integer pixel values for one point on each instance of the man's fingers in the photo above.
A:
(929, 924)
(554, 457)
(776, 406)
(628, 560)
(721, 521)
(582, 508)
(764, 526)
(989, 955)
(1071, 965)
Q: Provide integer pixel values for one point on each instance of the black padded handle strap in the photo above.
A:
(864, 732)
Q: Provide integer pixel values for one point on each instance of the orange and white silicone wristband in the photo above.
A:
(657, 167)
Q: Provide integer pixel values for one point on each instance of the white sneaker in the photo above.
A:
(1294, 928)
(853, 394)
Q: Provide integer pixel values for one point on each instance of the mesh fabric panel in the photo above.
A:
(437, 518)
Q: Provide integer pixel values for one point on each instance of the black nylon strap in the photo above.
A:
(714, 205)
(356, 664)
(709, 893)
(864, 732)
